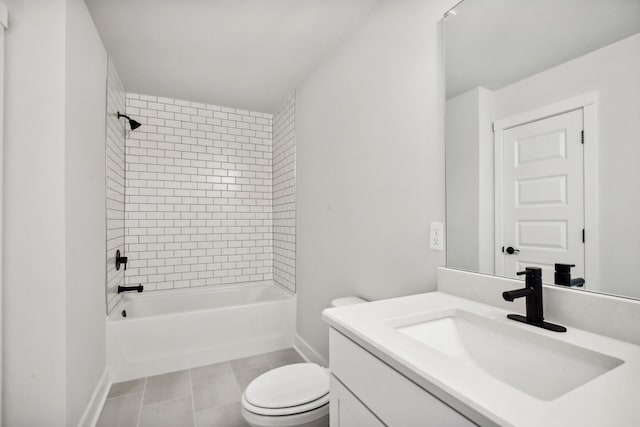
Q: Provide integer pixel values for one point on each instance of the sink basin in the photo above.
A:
(534, 363)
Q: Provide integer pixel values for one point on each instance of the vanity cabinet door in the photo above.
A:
(347, 410)
(393, 398)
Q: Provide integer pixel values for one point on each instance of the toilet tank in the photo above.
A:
(339, 302)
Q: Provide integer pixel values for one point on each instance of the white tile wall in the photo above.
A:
(198, 194)
(115, 183)
(284, 191)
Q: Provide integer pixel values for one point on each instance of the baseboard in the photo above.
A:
(309, 353)
(94, 407)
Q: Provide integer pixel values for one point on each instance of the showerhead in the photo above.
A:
(134, 124)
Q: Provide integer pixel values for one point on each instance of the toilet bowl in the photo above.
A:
(291, 396)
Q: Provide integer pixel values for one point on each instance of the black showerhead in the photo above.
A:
(134, 124)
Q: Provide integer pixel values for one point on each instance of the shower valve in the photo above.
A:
(121, 260)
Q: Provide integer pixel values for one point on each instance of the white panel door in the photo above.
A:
(543, 195)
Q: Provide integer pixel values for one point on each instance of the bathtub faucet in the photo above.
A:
(138, 288)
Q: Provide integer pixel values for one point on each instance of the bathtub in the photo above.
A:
(170, 330)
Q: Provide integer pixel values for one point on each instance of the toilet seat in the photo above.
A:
(291, 410)
(288, 390)
(315, 418)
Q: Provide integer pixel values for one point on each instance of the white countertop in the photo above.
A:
(612, 399)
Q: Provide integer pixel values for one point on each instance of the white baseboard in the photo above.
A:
(308, 352)
(94, 407)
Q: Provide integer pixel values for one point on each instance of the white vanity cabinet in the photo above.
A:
(347, 411)
(367, 392)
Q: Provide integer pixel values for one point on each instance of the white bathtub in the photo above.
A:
(166, 331)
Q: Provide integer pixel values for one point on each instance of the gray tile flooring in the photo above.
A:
(208, 396)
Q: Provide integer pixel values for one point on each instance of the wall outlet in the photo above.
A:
(436, 236)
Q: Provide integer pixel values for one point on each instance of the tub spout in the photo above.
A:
(138, 288)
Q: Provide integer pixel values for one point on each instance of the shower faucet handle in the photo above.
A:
(121, 260)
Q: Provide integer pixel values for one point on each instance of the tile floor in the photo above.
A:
(208, 396)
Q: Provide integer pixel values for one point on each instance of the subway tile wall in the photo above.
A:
(284, 191)
(198, 208)
(115, 174)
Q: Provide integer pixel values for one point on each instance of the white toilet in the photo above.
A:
(291, 396)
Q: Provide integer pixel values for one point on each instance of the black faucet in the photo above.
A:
(562, 276)
(138, 288)
(121, 260)
(533, 293)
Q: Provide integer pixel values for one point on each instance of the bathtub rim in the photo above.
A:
(115, 315)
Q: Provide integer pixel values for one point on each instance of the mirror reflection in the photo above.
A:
(543, 140)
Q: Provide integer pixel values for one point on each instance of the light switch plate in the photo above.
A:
(436, 236)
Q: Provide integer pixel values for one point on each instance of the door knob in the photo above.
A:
(510, 250)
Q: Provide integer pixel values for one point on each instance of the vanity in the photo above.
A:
(437, 359)
(542, 118)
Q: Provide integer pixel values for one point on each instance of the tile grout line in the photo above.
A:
(234, 373)
(123, 395)
(144, 392)
(193, 402)
(167, 400)
(237, 380)
(269, 365)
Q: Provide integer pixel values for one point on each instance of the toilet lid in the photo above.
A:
(288, 386)
(319, 406)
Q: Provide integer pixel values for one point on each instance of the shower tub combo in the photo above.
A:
(166, 331)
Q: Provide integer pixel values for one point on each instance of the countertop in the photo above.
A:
(612, 399)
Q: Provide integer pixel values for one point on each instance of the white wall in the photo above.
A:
(470, 176)
(613, 72)
(34, 222)
(54, 213)
(198, 194)
(86, 79)
(3, 26)
(116, 96)
(486, 204)
(462, 171)
(370, 164)
(284, 195)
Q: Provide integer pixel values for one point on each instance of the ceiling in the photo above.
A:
(494, 43)
(248, 54)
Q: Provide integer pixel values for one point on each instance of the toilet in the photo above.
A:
(293, 395)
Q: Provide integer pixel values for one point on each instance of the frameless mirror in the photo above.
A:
(543, 140)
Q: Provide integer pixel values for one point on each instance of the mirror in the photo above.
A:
(543, 140)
